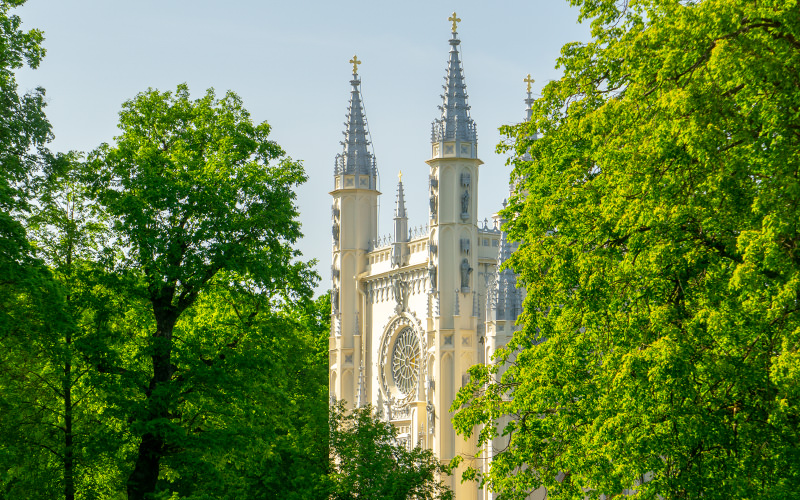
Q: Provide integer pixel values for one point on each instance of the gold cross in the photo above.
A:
(355, 62)
(529, 80)
(400, 176)
(455, 20)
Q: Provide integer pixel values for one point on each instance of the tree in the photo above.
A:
(194, 189)
(253, 408)
(367, 461)
(658, 214)
(23, 129)
(69, 234)
(31, 303)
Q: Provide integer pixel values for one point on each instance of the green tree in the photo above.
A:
(367, 461)
(69, 234)
(194, 189)
(658, 214)
(31, 304)
(23, 130)
(253, 399)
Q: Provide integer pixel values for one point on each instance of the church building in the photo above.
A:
(413, 312)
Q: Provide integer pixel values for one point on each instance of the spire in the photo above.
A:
(455, 123)
(356, 159)
(400, 244)
(400, 206)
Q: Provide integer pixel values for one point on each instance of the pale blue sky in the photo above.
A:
(289, 63)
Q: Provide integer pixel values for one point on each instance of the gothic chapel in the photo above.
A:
(410, 314)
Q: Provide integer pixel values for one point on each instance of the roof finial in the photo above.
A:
(455, 21)
(400, 176)
(355, 62)
(529, 100)
(527, 80)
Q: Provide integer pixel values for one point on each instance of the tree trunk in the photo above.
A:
(69, 456)
(143, 478)
(69, 459)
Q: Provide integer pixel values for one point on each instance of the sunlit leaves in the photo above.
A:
(658, 216)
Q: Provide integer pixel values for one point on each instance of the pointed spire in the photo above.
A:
(455, 123)
(356, 159)
(400, 244)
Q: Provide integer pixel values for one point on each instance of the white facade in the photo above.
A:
(410, 316)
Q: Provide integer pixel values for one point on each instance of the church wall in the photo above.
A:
(448, 270)
(349, 298)
(348, 387)
(418, 249)
(447, 394)
(383, 309)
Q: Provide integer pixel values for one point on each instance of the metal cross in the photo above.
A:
(529, 80)
(355, 62)
(455, 20)
(400, 176)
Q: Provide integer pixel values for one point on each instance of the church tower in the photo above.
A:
(355, 227)
(453, 177)
(412, 311)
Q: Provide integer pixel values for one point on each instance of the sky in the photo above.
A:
(288, 61)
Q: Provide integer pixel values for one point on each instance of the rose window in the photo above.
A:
(405, 361)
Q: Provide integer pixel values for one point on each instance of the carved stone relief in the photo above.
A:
(465, 272)
(335, 300)
(465, 204)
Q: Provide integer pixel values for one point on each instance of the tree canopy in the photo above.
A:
(198, 195)
(367, 461)
(658, 217)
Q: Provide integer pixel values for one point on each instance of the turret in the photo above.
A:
(453, 187)
(355, 226)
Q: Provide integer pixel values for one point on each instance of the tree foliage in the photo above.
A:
(658, 213)
(368, 461)
(31, 303)
(195, 190)
(23, 130)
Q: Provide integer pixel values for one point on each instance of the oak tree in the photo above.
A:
(194, 189)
